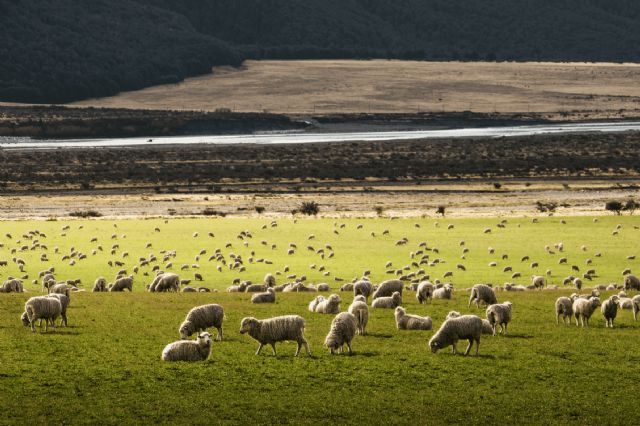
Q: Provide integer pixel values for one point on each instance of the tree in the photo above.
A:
(310, 208)
(631, 206)
(441, 210)
(546, 207)
(614, 206)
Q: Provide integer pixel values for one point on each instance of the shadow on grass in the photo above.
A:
(516, 336)
(379, 335)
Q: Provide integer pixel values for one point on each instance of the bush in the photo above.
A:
(212, 212)
(546, 207)
(85, 213)
(631, 206)
(441, 210)
(614, 206)
(379, 210)
(309, 208)
(260, 209)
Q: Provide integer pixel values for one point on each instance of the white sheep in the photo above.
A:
(406, 321)
(364, 288)
(387, 288)
(188, 350)
(202, 317)
(268, 296)
(64, 304)
(538, 281)
(482, 293)
(41, 308)
(564, 307)
(100, 285)
(277, 329)
(465, 327)
(444, 292)
(424, 292)
(584, 308)
(343, 329)
(330, 305)
(487, 328)
(499, 314)
(122, 284)
(270, 280)
(636, 306)
(609, 310)
(12, 286)
(388, 302)
(360, 310)
(314, 303)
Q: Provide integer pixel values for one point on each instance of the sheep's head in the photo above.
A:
(399, 312)
(247, 324)
(204, 338)
(186, 329)
(25, 319)
(359, 298)
(397, 297)
(595, 302)
(453, 314)
(334, 298)
(615, 299)
(434, 344)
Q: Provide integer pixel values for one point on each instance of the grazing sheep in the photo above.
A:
(631, 282)
(577, 282)
(636, 306)
(406, 321)
(12, 286)
(41, 308)
(347, 287)
(202, 317)
(330, 305)
(343, 329)
(424, 292)
(61, 288)
(100, 285)
(538, 281)
(486, 325)
(363, 287)
(188, 350)
(444, 292)
(387, 288)
(165, 282)
(584, 308)
(360, 310)
(268, 296)
(64, 304)
(123, 284)
(564, 307)
(609, 310)
(323, 287)
(466, 327)
(388, 302)
(499, 314)
(270, 280)
(482, 293)
(277, 329)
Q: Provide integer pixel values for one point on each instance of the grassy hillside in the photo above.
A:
(106, 366)
(65, 50)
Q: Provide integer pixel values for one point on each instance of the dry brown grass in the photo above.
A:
(334, 86)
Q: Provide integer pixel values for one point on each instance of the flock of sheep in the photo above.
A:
(345, 325)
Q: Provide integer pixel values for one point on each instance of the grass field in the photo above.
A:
(105, 367)
(598, 90)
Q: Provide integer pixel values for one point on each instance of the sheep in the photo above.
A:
(314, 303)
(387, 288)
(330, 305)
(12, 286)
(343, 329)
(487, 328)
(609, 310)
(564, 307)
(584, 308)
(188, 350)
(360, 310)
(61, 288)
(123, 284)
(405, 321)
(165, 282)
(347, 287)
(362, 287)
(482, 293)
(202, 317)
(424, 292)
(323, 287)
(268, 296)
(636, 306)
(238, 288)
(499, 314)
(631, 282)
(64, 304)
(577, 282)
(444, 292)
(388, 302)
(538, 281)
(256, 288)
(467, 327)
(100, 285)
(277, 329)
(41, 307)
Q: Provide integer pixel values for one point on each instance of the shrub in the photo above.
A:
(546, 207)
(309, 208)
(631, 206)
(260, 209)
(614, 206)
(212, 212)
(85, 213)
(441, 210)
(379, 210)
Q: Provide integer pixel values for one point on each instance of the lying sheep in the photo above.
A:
(486, 325)
(277, 329)
(12, 286)
(41, 308)
(406, 321)
(347, 287)
(343, 329)
(314, 303)
(564, 307)
(609, 310)
(387, 288)
(188, 350)
(256, 288)
(330, 305)
(584, 308)
(631, 282)
(499, 314)
(123, 284)
(466, 327)
(100, 285)
(424, 292)
(202, 317)
(360, 310)
(387, 302)
(364, 288)
(64, 304)
(482, 293)
(323, 287)
(268, 296)
(444, 292)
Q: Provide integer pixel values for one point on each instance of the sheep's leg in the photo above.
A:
(477, 346)
(635, 313)
(220, 333)
(493, 327)
(33, 326)
(466, 352)
(558, 319)
(306, 346)
(349, 346)
(577, 320)
(273, 347)
(454, 350)
(505, 329)
(259, 349)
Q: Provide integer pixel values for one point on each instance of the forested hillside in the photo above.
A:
(63, 50)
